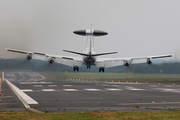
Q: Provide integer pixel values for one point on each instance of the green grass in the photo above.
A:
(91, 116)
(116, 77)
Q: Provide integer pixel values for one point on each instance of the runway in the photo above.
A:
(79, 96)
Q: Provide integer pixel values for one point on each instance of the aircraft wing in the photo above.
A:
(18, 51)
(111, 62)
(152, 57)
(78, 59)
(66, 60)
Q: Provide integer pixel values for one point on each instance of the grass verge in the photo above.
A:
(91, 116)
(115, 77)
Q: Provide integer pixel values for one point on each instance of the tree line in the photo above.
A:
(40, 65)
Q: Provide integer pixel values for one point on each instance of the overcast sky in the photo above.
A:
(135, 27)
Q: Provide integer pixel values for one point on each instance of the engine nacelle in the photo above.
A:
(51, 60)
(29, 56)
(126, 63)
(149, 61)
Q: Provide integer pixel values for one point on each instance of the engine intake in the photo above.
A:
(51, 60)
(29, 56)
(126, 63)
(149, 61)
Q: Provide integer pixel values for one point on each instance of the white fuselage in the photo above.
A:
(89, 60)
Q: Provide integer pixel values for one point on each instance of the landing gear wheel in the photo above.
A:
(101, 69)
(88, 67)
(76, 68)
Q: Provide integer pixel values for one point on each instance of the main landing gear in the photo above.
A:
(101, 69)
(88, 67)
(76, 68)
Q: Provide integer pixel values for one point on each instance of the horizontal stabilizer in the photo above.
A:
(103, 53)
(88, 54)
(76, 52)
(162, 56)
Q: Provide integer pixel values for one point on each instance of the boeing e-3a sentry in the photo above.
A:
(89, 57)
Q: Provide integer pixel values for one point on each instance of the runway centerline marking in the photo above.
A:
(48, 90)
(70, 89)
(52, 85)
(92, 89)
(138, 89)
(113, 89)
(35, 82)
(167, 90)
(26, 90)
(38, 85)
(67, 85)
(132, 88)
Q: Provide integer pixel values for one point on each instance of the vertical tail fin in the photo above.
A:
(91, 39)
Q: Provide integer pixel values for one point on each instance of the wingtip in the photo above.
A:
(7, 49)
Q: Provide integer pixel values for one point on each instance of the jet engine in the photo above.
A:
(29, 56)
(149, 61)
(51, 60)
(126, 63)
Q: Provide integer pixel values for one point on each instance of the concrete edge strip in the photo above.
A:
(23, 101)
(20, 93)
(20, 98)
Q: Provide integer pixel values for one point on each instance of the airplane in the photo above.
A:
(89, 57)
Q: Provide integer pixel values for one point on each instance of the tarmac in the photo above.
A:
(86, 96)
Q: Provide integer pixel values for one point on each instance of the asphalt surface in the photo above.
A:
(79, 96)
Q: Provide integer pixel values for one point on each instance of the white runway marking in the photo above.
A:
(35, 82)
(115, 85)
(67, 85)
(37, 85)
(48, 90)
(113, 89)
(52, 85)
(92, 89)
(168, 86)
(132, 88)
(138, 89)
(175, 90)
(70, 89)
(105, 85)
(26, 90)
(168, 90)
